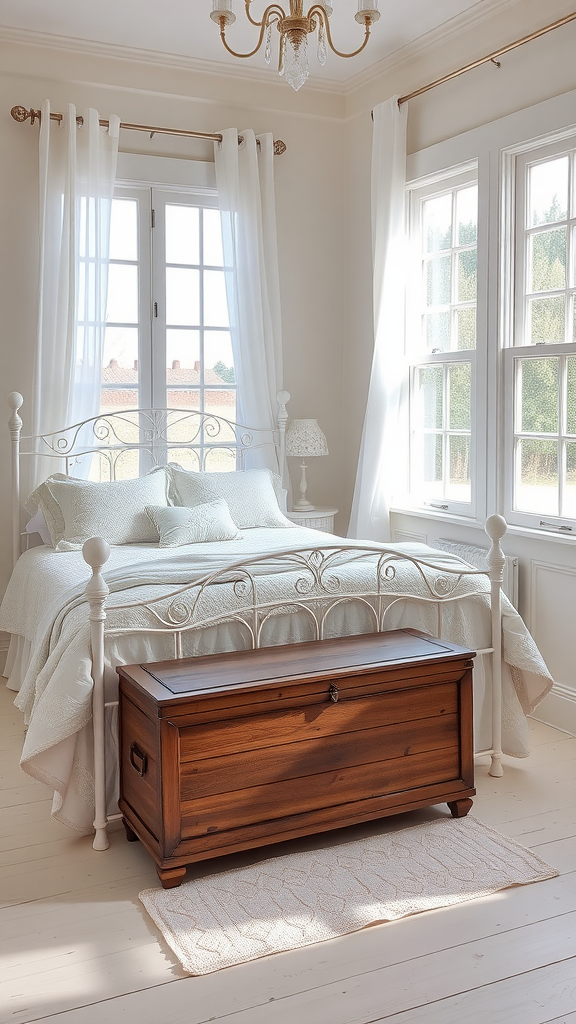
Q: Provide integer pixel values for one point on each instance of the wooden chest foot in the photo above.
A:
(459, 808)
(170, 877)
(130, 833)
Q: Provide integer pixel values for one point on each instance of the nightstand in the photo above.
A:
(314, 518)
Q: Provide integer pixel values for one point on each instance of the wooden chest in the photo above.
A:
(233, 751)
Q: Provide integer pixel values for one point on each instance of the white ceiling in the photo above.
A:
(184, 28)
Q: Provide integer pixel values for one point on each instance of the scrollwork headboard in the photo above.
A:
(129, 442)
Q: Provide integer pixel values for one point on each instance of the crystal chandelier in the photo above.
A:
(294, 29)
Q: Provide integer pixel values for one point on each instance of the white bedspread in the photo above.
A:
(45, 605)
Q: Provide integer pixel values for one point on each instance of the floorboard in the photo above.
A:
(76, 946)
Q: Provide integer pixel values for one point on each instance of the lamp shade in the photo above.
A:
(306, 439)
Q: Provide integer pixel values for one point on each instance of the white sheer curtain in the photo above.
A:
(77, 174)
(245, 182)
(383, 452)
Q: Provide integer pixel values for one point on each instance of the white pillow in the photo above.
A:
(250, 495)
(177, 525)
(112, 509)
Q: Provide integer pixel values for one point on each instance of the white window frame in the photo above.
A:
(515, 162)
(418, 189)
(146, 178)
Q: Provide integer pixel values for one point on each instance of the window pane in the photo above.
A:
(537, 476)
(114, 399)
(124, 230)
(222, 402)
(539, 395)
(438, 278)
(437, 219)
(182, 296)
(569, 502)
(182, 357)
(182, 234)
(548, 190)
(571, 395)
(121, 350)
(438, 332)
(218, 358)
(215, 303)
(466, 327)
(546, 320)
(430, 396)
(467, 215)
(122, 307)
(459, 382)
(548, 260)
(181, 398)
(467, 276)
(459, 468)
(432, 467)
(212, 239)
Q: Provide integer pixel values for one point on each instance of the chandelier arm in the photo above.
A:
(316, 11)
(263, 28)
(264, 20)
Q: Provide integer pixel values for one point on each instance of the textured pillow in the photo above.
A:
(250, 495)
(113, 510)
(177, 525)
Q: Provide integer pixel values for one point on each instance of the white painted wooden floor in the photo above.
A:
(76, 947)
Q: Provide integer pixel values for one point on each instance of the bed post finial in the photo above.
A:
(96, 552)
(496, 528)
(15, 401)
(283, 397)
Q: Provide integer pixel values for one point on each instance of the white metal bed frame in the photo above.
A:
(317, 587)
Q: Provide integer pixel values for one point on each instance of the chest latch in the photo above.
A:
(333, 693)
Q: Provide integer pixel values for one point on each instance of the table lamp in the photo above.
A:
(305, 439)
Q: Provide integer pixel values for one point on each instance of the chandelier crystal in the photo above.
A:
(294, 28)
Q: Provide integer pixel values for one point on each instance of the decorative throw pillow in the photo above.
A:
(250, 495)
(177, 525)
(114, 509)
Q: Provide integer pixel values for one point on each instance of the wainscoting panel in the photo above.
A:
(553, 626)
(403, 537)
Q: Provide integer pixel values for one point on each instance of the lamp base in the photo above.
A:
(304, 505)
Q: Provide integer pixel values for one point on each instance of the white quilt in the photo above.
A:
(45, 606)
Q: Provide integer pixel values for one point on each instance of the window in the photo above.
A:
(442, 340)
(540, 377)
(167, 330)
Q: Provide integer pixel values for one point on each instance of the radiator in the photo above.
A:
(477, 557)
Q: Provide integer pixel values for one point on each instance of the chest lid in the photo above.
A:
(299, 662)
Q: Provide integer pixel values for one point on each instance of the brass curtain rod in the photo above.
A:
(21, 114)
(491, 58)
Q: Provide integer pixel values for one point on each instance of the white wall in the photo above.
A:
(310, 198)
(535, 72)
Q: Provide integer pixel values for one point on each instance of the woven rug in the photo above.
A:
(296, 900)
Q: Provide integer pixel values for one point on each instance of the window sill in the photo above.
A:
(450, 517)
(442, 517)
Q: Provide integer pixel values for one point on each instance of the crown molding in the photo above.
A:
(482, 11)
(113, 51)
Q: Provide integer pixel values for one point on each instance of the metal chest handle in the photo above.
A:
(137, 755)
